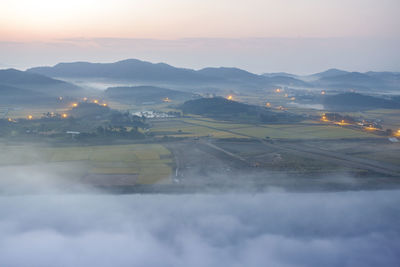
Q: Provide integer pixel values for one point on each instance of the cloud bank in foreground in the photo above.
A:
(272, 229)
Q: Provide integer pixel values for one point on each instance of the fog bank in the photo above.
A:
(272, 229)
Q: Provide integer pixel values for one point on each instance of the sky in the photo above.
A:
(290, 30)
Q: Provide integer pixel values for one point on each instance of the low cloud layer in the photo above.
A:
(271, 229)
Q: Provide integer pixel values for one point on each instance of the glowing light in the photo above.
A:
(268, 104)
(60, 98)
(281, 108)
(323, 92)
(10, 120)
(96, 101)
(30, 117)
(230, 97)
(104, 105)
(370, 128)
(85, 99)
(342, 122)
(166, 99)
(64, 115)
(278, 90)
(74, 105)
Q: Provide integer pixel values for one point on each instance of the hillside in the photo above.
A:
(222, 108)
(130, 69)
(36, 83)
(13, 95)
(354, 101)
(141, 94)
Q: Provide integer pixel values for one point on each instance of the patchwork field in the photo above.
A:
(145, 163)
(198, 126)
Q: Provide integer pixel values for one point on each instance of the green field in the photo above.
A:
(293, 131)
(198, 126)
(150, 162)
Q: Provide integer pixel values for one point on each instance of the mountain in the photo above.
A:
(141, 94)
(328, 73)
(355, 101)
(282, 74)
(130, 69)
(222, 108)
(289, 81)
(140, 71)
(230, 74)
(13, 95)
(36, 83)
(352, 80)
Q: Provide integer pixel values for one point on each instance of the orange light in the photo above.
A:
(10, 120)
(96, 101)
(230, 97)
(370, 128)
(30, 117)
(104, 105)
(74, 105)
(268, 104)
(278, 90)
(64, 115)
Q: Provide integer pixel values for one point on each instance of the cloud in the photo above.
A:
(271, 229)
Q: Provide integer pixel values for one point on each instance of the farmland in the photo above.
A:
(197, 127)
(146, 164)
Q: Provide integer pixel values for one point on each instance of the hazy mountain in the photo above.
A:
(328, 73)
(352, 80)
(133, 70)
(13, 95)
(130, 69)
(136, 70)
(141, 94)
(355, 101)
(282, 74)
(36, 82)
(230, 74)
(289, 81)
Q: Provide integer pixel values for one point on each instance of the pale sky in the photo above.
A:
(173, 19)
(46, 31)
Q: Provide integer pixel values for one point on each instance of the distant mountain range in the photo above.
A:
(345, 80)
(44, 82)
(141, 71)
(134, 70)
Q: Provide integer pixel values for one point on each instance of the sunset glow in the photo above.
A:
(32, 20)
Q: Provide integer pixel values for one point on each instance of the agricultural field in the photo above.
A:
(144, 163)
(197, 126)
(294, 131)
